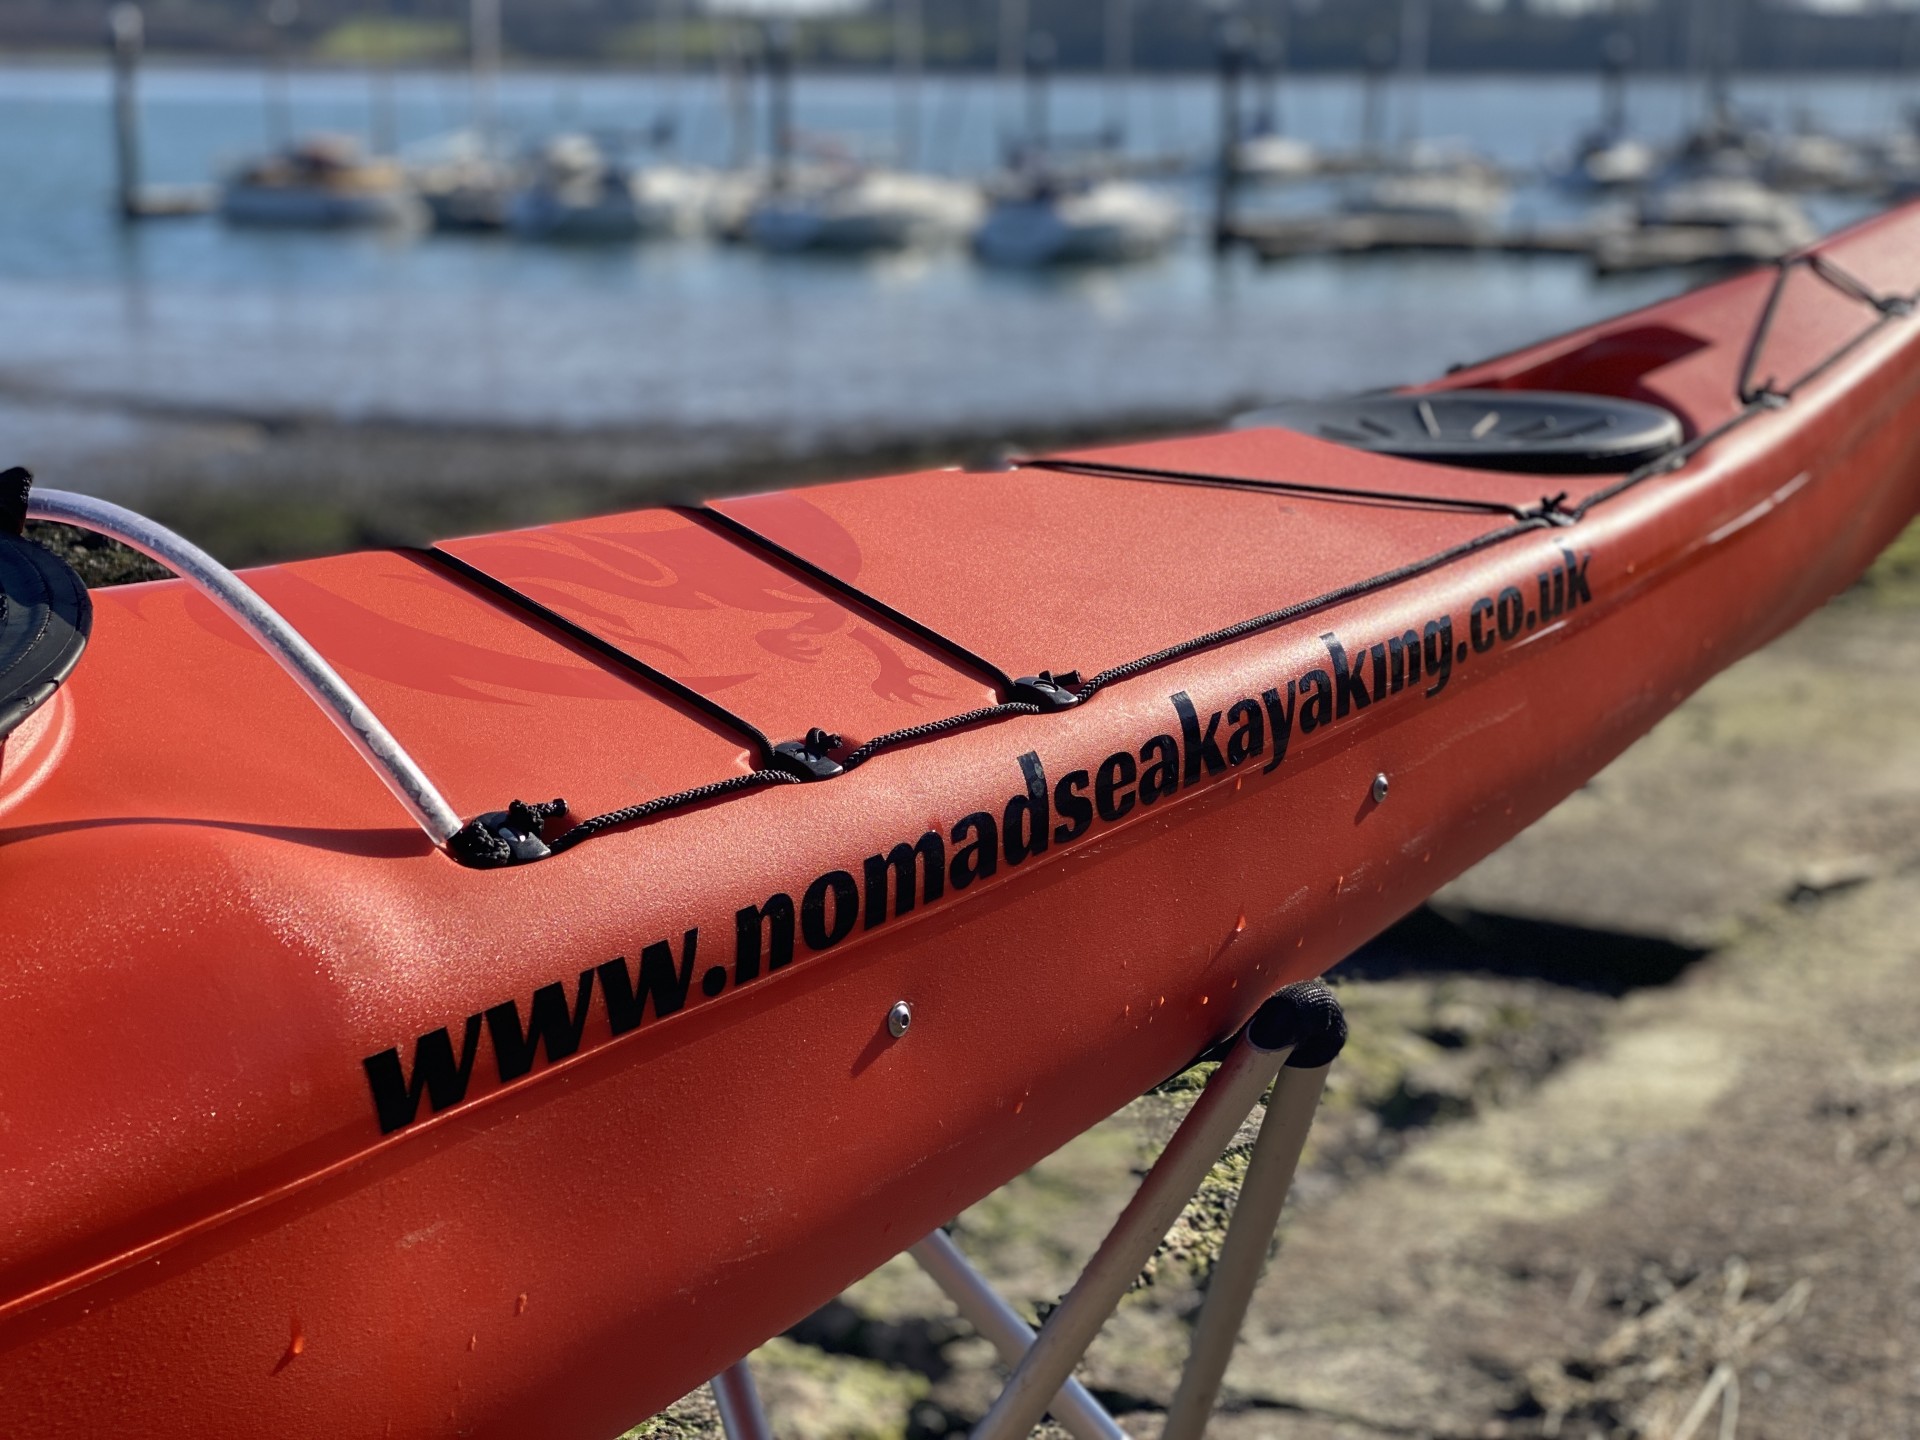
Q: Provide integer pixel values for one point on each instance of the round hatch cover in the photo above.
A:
(45, 615)
(1533, 430)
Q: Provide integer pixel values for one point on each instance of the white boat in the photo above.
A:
(579, 193)
(1054, 221)
(861, 210)
(319, 182)
(1275, 157)
(463, 182)
(1705, 220)
(1727, 202)
(1461, 195)
(1611, 162)
(1811, 160)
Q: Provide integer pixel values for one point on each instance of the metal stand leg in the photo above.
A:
(739, 1402)
(1263, 1047)
(1294, 1036)
(1001, 1325)
(1256, 1214)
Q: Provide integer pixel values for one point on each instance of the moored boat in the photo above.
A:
(1048, 218)
(318, 182)
(320, 1121)
(851, 208)
(580, 193)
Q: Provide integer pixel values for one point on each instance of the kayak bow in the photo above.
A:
(307, 1128)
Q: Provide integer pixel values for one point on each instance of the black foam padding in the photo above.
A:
(1539, 431)
(45, 618)
(1305, 1016)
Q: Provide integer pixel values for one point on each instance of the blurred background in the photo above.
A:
(1602, 1159)
(300, 272)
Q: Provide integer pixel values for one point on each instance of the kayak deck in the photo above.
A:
(292, 1068)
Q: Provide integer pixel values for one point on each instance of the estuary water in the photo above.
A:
(189, 315)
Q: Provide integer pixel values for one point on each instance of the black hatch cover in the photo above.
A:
(1543, 431)
(45, 616)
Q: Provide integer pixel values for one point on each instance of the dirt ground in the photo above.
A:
(1626, 1143)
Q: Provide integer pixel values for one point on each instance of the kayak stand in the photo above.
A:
(1290, 1043)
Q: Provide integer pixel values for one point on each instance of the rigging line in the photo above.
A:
(755, 539)
(1289, 487)
(1674, 458)
(1756, 401)
(1301, 609)
(1842, 281)
(613, 819)
(1845, 281)
(579, 634)
(647, 809)
(931, 728)
(1889, 307)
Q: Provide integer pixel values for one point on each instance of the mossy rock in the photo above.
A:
(1894, 579)
(811, 1395)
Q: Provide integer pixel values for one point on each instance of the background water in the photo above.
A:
(487, 331)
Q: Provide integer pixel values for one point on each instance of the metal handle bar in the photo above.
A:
(238, 600)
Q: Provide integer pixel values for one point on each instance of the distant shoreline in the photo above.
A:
(52, 56)
(255, 491)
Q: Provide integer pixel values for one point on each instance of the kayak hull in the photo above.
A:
(564, 1250)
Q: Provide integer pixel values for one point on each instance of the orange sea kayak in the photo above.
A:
(312, 1128)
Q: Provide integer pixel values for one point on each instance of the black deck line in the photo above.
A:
(754, 539)
(1116, 471)
(713, 710)
(1889, 307)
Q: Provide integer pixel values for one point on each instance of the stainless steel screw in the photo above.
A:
(1379, 788)
(899, 1018)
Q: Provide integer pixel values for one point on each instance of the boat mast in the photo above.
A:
(1416, 18)
(909, 33)
(1231, 41)
(671, 54)
(126, 34)
(280, 17)
(382, 137)
(1273, 61)
(1710, 51)
(1040, 52)
(1616, 55)
(1373, 95)
(1013, 64)
(780, 42)
(1907, 116)
(483, 47)
(1119, 27)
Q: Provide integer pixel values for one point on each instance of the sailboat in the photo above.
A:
(1431, 184)
(319, 181)
(1049, 212)
(1711, 206)
(841, 204)
(464, 178)
(1265, 151)
(1063, 220)
(581, 192)
(1608, 157)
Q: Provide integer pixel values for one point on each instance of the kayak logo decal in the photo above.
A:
(554, 1023)
(1195, 749)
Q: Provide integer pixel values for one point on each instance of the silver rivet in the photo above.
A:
(1379, 788)
(899, 1018)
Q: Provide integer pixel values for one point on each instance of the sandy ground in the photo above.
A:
(1627, 1142)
